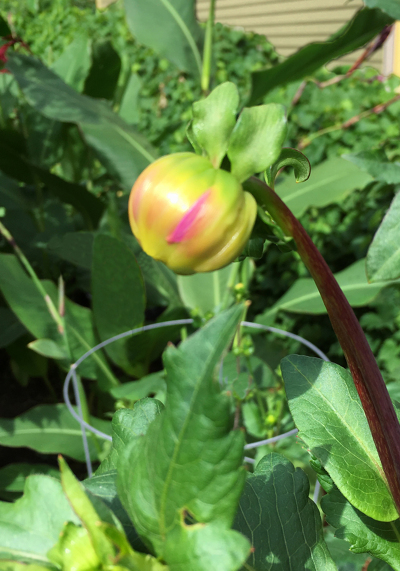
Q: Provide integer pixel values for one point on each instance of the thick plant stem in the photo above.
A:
(367, 377)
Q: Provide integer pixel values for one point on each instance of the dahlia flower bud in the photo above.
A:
(189, 215)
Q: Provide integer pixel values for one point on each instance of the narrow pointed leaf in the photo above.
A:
(365, 25)
(124, 151)
(170, 28)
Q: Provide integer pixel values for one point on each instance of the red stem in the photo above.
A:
(367, 377)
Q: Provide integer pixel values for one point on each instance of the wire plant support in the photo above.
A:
(78, 414)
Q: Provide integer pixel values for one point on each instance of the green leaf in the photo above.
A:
(48, 348)
(50, 429)
(327, 411)
(129, 108)
(13, 476)
(74, 247)
(11, 196)
(31, 526)
(136, 390)
(304, 297)
(280, 520)
(201, 548)
(4, 27)
(124, 152)
(214, 119)
(383, 258)
(25, 299)
(377, 165)
(256, 140)
(11, 329)
(206, 291)
(391, 7)
(170, 28)
(330, 182)
(79, 330)
(85, 511)
(104, 486)
(118, 294)
(127, 424)
(365, 534)
(365, 25)
(74, 63)
(14, 163)
(189, 461)
(104, 72)
(292, 158)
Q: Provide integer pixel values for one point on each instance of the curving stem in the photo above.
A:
(367, 377)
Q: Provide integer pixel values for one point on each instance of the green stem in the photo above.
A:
(207, 52)
(367, 377)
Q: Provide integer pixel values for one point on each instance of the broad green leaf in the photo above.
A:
(74, 549)
(304, 297)
(104, 486)
(365, 25)
(377, 165)
(11, 328)
(44, 139)
(14, 163)
(31, 526)
(330, 182)
(118, 294)
(282, 523)
(206, 291)
(379, 565)
(127, 424)
(214, 119)
(381, 539)
(345, 559)
(74, 247)
(17, 566)
(289, 158)
(13, 476)
(48, 348)
(201, 548)
(119, 146)
(391, 7)
(189, 460)
(136, 390)
(257, 139)
(383, 258)
(170, 28)
(74, 63)
(50, 429)
(102, 79)
(327, 411)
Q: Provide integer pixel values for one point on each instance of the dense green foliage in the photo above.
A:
(77, 125)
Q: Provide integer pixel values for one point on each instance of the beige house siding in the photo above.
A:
(288, 24)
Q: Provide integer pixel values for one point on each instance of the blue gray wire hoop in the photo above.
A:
(78, 415)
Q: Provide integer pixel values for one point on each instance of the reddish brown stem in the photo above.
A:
(367, 377)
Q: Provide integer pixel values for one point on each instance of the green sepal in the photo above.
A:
(256, 140)
(293, 158)
(213, 121)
